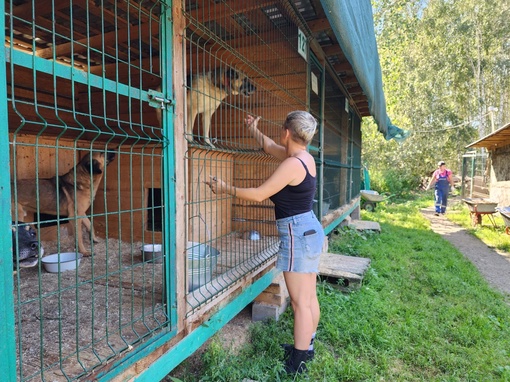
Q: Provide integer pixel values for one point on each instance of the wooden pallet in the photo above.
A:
(365, 225)
(345, 272)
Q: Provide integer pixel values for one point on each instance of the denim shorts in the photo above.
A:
(301, 242)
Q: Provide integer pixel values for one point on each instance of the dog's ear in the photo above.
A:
(223, 77)
(232, 74)
(110, 156)
(97, 167)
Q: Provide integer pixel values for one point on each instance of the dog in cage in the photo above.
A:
(68, 195)
(26, 250)
(207, 91)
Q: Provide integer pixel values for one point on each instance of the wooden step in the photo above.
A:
(365, 225)
(345, 272)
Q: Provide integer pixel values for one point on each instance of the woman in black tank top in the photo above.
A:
(291, 188)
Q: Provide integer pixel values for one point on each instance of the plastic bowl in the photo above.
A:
(152, 252)
(61, 262)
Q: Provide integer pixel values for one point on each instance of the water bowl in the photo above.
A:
(202, 260)
(61, 262)
(152, 252)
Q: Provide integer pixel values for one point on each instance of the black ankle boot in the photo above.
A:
(287, 350)
(296, 362)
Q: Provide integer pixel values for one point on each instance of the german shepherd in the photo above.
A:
(206, 92)
(76, 191)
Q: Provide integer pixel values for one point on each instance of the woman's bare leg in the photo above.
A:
(303, 296)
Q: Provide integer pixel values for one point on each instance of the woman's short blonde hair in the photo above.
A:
(302, 126)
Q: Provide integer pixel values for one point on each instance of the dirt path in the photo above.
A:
(493, 265)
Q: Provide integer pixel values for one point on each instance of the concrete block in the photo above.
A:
(261, 311)
(271, 298)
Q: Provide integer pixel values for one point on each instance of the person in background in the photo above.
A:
(442, 179)
(291, 188)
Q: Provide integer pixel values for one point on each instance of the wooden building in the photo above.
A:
(87, 78)
(498, 146)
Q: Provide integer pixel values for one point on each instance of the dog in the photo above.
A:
(76, 190)
(206, 92)
(25, 247)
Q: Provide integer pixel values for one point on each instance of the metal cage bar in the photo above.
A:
(244, 58)
(88, 150)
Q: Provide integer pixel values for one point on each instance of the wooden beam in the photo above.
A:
(333, 50)
(355, 90)
(110, 39)
(213, 11)
(359, 98)
(343, 66)
(40, 7)
(319, 25)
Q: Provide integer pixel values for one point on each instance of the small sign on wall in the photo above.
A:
(302, 45)
(315, 83)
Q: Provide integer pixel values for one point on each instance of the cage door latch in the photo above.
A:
(158, 100)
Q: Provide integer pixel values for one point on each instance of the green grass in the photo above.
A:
(493, 237)
(424, 313)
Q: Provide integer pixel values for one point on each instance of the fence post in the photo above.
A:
(7, 344)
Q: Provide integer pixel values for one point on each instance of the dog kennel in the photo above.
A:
(96, 78)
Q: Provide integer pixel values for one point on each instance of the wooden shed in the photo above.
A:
(102, 93)
(498, 145)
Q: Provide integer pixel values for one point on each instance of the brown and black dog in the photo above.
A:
(76, 191)
(25, 246)
(206, 92)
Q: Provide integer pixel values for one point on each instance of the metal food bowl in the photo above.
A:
(202, 261)
(152, 252)
(251, 235)
(61, 262)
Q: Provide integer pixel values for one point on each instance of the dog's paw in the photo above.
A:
(87, 253)
(210, 143)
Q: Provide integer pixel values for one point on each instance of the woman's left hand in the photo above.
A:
(216, 185)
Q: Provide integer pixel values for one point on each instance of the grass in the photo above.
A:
(493, 237)
(424, 313)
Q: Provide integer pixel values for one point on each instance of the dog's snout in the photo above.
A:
(34, 246)
(247, 88)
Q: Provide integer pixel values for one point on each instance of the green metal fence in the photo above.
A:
(90, 165)
(86, 84)
(475, 174)
(247, 58)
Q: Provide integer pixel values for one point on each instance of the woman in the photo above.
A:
(442, 178)
(291, 188)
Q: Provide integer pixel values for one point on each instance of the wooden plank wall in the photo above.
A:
(128, 181)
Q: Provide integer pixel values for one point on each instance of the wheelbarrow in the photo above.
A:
(479, 207)
(369, 199)
(505, 214)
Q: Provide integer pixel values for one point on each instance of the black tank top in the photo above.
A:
(295, 200)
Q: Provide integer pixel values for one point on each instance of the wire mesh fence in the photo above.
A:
(92, 163)
(475, 175)
(245, 58)
(241, 59)
(86, 173)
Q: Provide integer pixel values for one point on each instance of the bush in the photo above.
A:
(394, 181)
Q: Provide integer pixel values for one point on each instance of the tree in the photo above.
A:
(444, 62)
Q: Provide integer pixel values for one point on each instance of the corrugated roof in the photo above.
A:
(499, 138)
